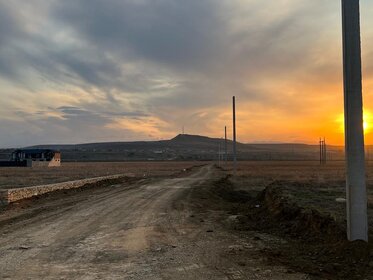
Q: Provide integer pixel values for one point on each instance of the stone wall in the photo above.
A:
(12, 195)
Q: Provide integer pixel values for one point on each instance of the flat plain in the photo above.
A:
(273, 220)
(306, 182)
(15, 177)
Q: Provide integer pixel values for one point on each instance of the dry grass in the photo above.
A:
(265, 172)
(24, 177)
(307, 183)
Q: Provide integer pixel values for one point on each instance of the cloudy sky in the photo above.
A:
(77, 71)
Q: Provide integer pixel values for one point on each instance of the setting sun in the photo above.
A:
(368, 119)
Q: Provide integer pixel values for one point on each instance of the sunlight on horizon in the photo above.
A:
(367, 122)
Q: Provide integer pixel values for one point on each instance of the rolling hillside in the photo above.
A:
(185, 147)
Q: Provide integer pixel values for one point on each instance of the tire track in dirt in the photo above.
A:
(143, 231)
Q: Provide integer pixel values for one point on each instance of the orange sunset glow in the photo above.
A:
(72, 78)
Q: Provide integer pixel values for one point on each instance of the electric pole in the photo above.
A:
(320, 146)
(357, 219)
(234, 137)
(225, 145)
(324, 151)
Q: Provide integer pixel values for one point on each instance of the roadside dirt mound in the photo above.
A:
(272, 209)
(306, 223)
(318, 246)
(225, 189)
(313, 242)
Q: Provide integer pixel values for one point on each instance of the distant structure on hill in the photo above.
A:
(37, 157)
(33, 158)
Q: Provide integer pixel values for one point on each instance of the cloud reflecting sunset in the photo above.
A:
(117, 70)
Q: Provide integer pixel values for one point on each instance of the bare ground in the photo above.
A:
(148, 229)
(312, 241)
(15, 177)
(194, 225)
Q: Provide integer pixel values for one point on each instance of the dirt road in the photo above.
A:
(143, 230)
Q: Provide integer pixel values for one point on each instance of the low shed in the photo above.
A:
(37, 157)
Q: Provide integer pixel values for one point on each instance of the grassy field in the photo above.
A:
(25, 177)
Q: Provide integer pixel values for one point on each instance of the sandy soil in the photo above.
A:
(135, 229)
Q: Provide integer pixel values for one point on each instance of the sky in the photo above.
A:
(78, 71)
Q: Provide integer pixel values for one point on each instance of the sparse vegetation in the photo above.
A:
(25, 177)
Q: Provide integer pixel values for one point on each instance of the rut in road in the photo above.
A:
(141, 232)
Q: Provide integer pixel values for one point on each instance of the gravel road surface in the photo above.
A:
(143, 230)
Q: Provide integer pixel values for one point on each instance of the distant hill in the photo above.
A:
(185, 147)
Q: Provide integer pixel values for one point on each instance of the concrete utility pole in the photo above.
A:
(357, 219)
(225, 145)
(323, 158)
(320, 146)
(324, 151)
(234, 137)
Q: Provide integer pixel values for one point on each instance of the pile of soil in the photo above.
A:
(306, 223)
(316, 242)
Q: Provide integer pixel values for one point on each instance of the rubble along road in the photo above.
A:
(144, 230)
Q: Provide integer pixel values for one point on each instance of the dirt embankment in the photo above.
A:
(305, 223)
(314, 242)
